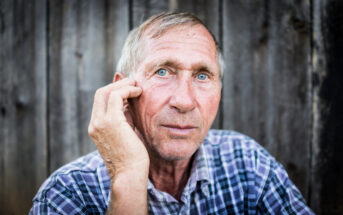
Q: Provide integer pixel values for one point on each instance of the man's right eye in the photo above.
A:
(162, 72)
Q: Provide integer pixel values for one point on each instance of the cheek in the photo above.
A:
(151, 102)
(208, 105)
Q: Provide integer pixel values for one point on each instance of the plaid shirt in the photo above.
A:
(231, 174)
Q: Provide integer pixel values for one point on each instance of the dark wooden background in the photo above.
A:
(283, 84)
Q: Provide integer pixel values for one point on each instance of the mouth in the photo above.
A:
(179, 130)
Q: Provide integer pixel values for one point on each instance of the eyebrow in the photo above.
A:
(176, 64)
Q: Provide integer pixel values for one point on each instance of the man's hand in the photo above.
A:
(124, 154)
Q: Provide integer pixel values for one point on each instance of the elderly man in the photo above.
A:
(156, 152)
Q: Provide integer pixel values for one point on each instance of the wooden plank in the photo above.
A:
(23, 93)
(143, 9)
(319, 69)
(81, 34)
(63, 82)
(327, 170)
(117, 29)
(268, 79)
(210, 12)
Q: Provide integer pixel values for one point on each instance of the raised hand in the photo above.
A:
(112, 130)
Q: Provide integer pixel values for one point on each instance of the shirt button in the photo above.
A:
(205, 191)
(196, 199)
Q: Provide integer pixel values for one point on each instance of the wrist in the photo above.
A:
(133, 179)
(129, 193)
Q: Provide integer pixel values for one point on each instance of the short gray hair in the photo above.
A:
(131, 52)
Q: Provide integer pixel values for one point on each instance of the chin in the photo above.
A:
(176, 150)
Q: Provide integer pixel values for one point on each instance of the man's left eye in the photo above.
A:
(162, 72)
(202, 76)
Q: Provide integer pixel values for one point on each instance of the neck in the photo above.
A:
(170, 176)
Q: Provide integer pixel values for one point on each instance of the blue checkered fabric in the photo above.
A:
(231, 174)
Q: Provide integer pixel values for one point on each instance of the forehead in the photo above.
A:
(185, 43)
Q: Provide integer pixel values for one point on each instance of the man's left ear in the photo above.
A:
(118, 76)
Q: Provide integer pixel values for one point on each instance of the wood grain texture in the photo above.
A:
(23, 126)
(143, 9)
(64, 60)
(267, 81)
(85, 37)
(117, 29)
(282, 84)
(327, 170)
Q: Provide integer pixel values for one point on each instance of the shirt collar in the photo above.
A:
(200, 173)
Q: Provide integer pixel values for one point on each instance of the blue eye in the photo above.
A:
(202, 76)
(162, 72)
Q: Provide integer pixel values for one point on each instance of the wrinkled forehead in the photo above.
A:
(184, 32)
(189, 46)
(157, 30)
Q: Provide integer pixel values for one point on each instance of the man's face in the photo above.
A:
(181, 86)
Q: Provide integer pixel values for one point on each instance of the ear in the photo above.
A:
(118, 76)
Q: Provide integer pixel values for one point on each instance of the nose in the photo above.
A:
(183, 98)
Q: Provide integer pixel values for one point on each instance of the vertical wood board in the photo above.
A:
(267, 81)
(143, 9)
(23, 94)
(282, 85)
(85, 37)
(327, 170)
(77, 69)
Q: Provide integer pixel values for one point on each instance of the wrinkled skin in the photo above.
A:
(175, 111)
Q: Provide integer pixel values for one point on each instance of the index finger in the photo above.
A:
(101, 97)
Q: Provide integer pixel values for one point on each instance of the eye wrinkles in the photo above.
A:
(200, 70)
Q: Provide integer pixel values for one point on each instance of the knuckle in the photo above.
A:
(95, 126)
(91, 131)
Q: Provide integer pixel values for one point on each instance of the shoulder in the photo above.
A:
(247, 165)
(230, 152)
(234, 145)
(68, 174)
(87, 163)
(75, 184)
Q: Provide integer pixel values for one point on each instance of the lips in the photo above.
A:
(179, 130)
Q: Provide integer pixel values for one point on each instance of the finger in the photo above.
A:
(118, 97)
(101, 96)
(115, 105)
(119, 84)
(99, 104)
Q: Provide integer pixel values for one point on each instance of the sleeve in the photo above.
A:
(41, 208)
(55, 198)
(279, 195)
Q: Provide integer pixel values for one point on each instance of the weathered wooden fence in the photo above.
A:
(283, 84)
